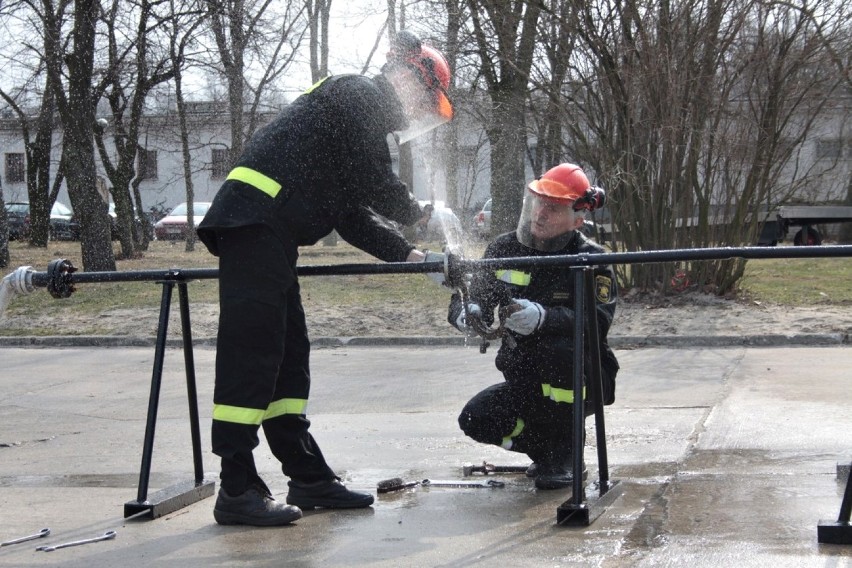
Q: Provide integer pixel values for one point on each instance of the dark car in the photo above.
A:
(63, 226)
(18, 215)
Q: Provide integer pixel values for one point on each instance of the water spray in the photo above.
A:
(459, 279)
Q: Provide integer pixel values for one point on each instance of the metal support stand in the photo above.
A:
(577, 511)
(841, 531)
(177, 496)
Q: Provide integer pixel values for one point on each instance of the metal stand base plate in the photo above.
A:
(571, 515)
(833, 532)
(171, 499)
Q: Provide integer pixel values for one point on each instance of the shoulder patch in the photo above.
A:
(603, 288)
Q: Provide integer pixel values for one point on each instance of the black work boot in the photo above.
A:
(556, 476)
(532, 470)
(327, 494)
(254, 507)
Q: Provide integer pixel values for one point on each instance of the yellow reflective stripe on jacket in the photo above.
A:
(238, 414)
(559, 395)
(256, 179)
(507, 441)
(286, 406)
(256, 416)
(315, 85)
(513, 277)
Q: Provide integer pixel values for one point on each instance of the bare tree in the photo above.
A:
(4, 231)
(133, 68)
(269, 35)
(505, 35)
(689, 111)
(70, 71)
(318, 16)
(37, 152)
(182, 34)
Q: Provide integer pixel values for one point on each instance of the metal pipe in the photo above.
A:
(154, 397)
(191, 389)
(578, 417)
(42, 279)
(595, 378)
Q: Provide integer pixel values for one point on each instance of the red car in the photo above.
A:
(173, 227)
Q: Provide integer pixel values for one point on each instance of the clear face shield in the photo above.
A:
(425, 109)
(547, 224)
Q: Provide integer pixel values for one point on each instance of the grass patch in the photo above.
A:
(799, 281)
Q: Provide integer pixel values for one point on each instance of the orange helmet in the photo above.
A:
(565, 182)
(428, 64)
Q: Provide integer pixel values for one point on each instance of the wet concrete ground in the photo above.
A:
(725, 456)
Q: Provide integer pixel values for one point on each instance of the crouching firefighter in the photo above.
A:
(323, 164)
(531, 411)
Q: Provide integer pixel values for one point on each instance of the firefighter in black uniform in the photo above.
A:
(324, 164)
(531, 412)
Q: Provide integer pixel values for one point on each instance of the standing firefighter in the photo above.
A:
(322, 165)
(531, 412)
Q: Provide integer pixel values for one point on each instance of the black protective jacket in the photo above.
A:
(546, 350)
(328, 150)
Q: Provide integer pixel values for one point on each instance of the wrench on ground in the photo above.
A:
(106, 536)
(40, 534)
(453, 483)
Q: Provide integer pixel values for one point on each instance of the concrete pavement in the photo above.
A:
(726, 456)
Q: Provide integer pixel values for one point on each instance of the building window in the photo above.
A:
(148, 164)
(829, 149)
(15, 171)
(219, 163)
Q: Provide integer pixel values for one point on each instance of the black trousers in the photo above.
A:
(262, 361)
(520, 420)
(529, 412)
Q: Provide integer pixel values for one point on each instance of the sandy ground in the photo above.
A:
(686, 315)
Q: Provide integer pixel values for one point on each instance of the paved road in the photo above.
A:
(726, 456)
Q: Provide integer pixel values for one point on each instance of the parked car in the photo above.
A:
(63, 226)
(174, 226)
(18, 215)
(482, 221)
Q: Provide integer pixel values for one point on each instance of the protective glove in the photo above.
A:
(526, 320)
(472, 310)
(437, 277)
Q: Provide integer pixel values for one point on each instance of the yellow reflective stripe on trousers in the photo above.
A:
(256, 179)
(238, 414)
(255, 416)
(513, 277)
(507, 441)
(286, 406)
(559, 395)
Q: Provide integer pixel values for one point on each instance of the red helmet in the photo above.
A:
(429, 65)
(565, 182)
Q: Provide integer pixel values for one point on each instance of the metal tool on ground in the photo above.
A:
(109, 535)
(397, 484)
(490, 483)
(488, 468)
(40, 534)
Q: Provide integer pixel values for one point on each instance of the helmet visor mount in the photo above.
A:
(547, 224)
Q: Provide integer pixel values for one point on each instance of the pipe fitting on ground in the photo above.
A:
(17, 283)
(59, 278)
